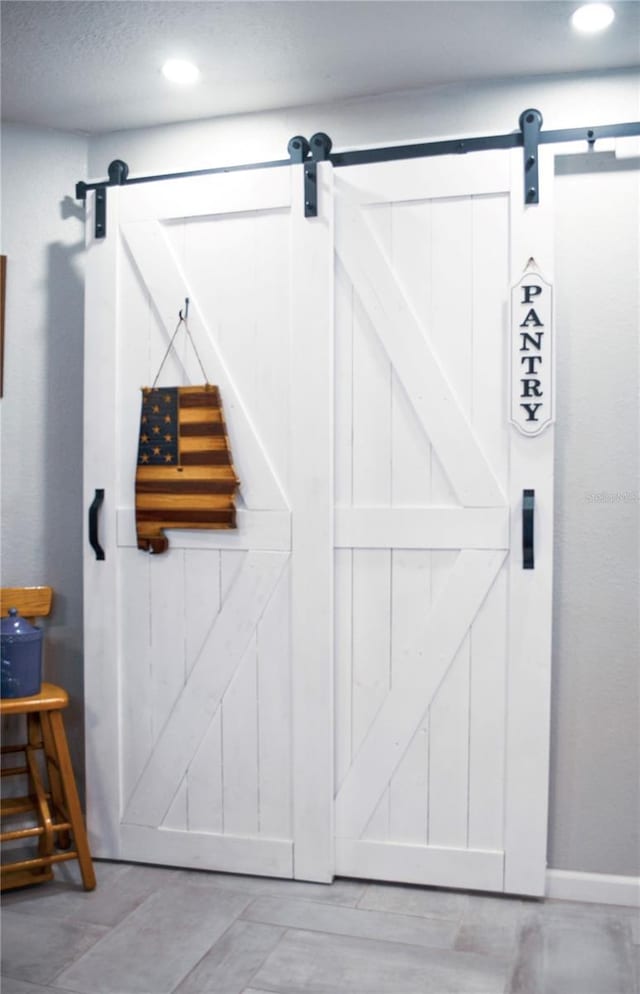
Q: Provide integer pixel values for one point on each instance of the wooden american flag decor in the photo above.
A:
(185, 476)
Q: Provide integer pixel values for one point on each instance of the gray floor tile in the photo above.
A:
(10, 986)
(500, 941)
(229, 966)
(358, 922)
(36, 949)
(426, 902)
(573, 954)
(491, 926)
(146, 927)
(315, 963)
(586, 909)
(121, 888)
(254, 990)
(157, 945)
(347, 892)
(481, 909)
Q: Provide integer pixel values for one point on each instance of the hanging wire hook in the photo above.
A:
(182, 320)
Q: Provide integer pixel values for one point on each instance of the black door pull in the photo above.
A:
(528, 505)
(96, 503)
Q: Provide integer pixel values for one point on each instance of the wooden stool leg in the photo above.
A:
(57, 795)
(72, 802)
(34, 741)
(22, 873)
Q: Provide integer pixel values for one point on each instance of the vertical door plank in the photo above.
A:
(371, 487)
(410, 656)
(312, 497)
(449, 756)
(176, 816)
(343, 622)
(136, 697)
(136, 322)
(274, 714)
(377, 827)
(409, 792)
(529, 651)
(201, 600)
(451, 315)
(205, 812)
(101, 643)
(175, 370)
(167, 635)
(240, 748)
(451, 326)
(489, 389)
(411, 447)
(343, 388)
(343, 560)
(411, 453)
(168, 663)
(270, 358)
(411, 250)
(488, 719)
(231, 564)
(411, 570)
(167, 576)
(489, 632)
(371, 416)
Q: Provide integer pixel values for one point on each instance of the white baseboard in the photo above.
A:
(596, 888)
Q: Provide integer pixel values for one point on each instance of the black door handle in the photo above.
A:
(96, 504)
(528, 506)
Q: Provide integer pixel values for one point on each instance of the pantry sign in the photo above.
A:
(531, 344)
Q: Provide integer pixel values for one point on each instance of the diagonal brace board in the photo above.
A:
(405, 706)
(212, 673)
(415, 362)
(167, 285)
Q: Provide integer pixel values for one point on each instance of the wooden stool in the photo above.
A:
(52, 800)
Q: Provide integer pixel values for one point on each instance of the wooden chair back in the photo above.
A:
(31, 602)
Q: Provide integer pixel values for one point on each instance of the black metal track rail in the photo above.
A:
(458, 146)
(318, 149)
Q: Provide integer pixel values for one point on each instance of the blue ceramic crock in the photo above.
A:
(20, 656)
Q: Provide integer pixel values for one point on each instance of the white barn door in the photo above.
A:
(208, 668)
(357, 680)
(442, 640)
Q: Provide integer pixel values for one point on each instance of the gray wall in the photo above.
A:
(595, 776)
(41, 411)
(594, 761)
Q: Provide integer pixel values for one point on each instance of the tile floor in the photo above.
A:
(151, 930)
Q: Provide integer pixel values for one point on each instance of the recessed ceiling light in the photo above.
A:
(180, 71)
(592, 17)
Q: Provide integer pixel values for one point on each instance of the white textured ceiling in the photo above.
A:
(95, 66)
